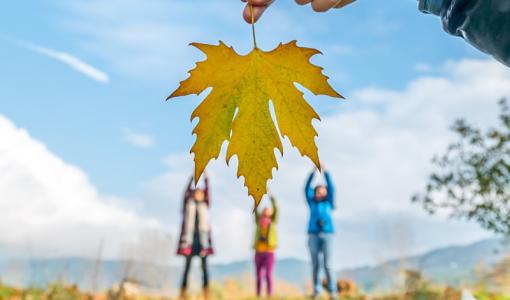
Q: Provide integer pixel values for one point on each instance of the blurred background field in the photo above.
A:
(93, 162)
(481, 270)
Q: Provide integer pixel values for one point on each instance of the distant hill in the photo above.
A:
(88, 274)
(453, 265)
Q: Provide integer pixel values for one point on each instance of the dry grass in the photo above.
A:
(229, 290)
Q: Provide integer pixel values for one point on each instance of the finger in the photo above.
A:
(259, 6)
(257, 13)
(323, 5)
(303, 2)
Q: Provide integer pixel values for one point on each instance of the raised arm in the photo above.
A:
(309, 192)
(187, 194)
(189, 185)
(207, 190)
(331, 189)
(275, 209)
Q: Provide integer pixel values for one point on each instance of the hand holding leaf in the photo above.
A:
(237, 109)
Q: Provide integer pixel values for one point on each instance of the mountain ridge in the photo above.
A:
(451, 265)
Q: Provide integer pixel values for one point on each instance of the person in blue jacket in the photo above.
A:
(321, 201)
(485, 24)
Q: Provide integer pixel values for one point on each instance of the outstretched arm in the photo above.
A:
(207, 190)
(482, 23)
(331, 189)
(190, 184)
(187, 193)
(309, 192)
(275, 209)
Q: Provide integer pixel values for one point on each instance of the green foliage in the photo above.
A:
(484, 295)
(62, 292)
(7, 292)
(472, 179)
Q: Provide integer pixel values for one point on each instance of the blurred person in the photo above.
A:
(265, 244)
(485, 24)
(321, 203)
(195, 238)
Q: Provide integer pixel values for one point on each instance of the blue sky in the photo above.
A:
(128, 142)
(83, 121)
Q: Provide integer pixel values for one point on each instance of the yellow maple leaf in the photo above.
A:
(237, 109)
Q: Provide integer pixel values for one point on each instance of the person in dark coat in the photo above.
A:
(195, 238)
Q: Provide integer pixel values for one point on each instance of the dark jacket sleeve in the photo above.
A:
(187, 195)
(484, 24)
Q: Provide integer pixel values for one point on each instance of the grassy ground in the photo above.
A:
(62, 292)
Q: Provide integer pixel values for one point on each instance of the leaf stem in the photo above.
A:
(253, 27)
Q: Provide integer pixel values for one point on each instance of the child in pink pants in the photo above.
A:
(265, 244)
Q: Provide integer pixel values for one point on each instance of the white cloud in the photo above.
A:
(70, 60)
(140, 40)
(138, 139)
(150, 42)
(49, 208)
(379, 156)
